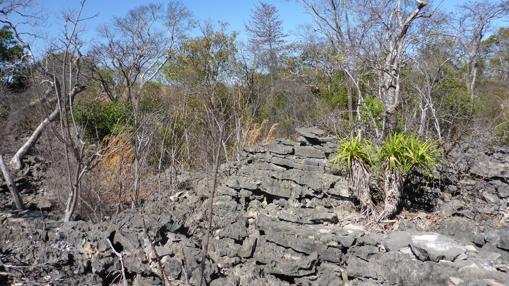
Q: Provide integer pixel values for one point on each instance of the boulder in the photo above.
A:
(397, 240)
(435, 247)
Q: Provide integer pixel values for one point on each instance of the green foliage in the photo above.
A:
(102, 119)
(353, 148)
(372, 106)
(149, 103)
(402, 152)
(502, 132)
(10, 50)
(12, 67)
(203, 58)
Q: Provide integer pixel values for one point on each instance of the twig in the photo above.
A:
(120, 257)
(9, 274)
(184, 267)
(211, 205)
(164, 277)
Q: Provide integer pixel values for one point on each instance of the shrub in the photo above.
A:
(372, 106)
(102, 119)
(402, 152)
(353, 148)
(502, 132)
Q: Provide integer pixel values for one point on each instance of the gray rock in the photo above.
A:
(502, 188)
(491, 198)
(248, 246)
(279, 148)
(309, 152)
(490, 168)
(435, 247)
(307, 215)
(310, 133)
(283, 261)
(503, 241)
(340, 188)
(397, 240)
(237, 182)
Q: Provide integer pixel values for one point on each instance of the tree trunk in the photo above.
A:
(16, 160)
(359, 183)
(71, 204)
(10, 185)
(423, 120)
(390, 121)
(350, 104)
(74, 194)
(392, 189)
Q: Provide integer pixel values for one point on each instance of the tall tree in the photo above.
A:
(393, 20)
(267, 36)
(134, 50)
(475, 23)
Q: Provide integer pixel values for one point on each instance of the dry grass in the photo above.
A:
(261, 133)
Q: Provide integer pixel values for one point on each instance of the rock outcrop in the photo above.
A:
(282, 217)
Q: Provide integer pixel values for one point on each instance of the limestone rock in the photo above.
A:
(435, 247)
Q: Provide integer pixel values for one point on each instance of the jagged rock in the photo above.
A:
(435, 247)
(503, 240)
(501, 188)
(247, 183)
(248, 246)
(312, 135)
(279, 148)
(284, 261)
(489, 168)
(282, 217)
(309, 152)
(307, 216)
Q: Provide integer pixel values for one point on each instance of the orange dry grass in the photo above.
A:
(255, 134)
(115, 169)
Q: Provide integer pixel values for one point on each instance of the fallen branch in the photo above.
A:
(120, 257)
(10, 185)
(164, 277)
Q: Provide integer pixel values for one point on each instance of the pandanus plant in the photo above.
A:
(355, 158)
(398, 156)
(359, 158)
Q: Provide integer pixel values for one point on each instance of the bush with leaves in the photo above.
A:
(102, 119)
(356, 157)
(397, 156)
(394, 160)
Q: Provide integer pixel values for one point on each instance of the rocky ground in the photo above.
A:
(281, 217)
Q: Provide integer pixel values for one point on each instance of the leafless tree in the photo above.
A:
(341, 22)
(267, 36)
(475, 23)
(134, 51)
(393, 22)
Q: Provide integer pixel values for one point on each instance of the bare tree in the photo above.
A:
(393, 21)
(134, 51)
(474, 25)
(433, 55)
(267, 36)
(341, 22)
(9, 10)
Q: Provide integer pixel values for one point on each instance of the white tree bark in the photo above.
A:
(10, 185)
(16, 160)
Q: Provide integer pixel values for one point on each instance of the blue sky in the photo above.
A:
(235, 12)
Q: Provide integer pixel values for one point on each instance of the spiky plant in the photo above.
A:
(399, 154)
(355, 158)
